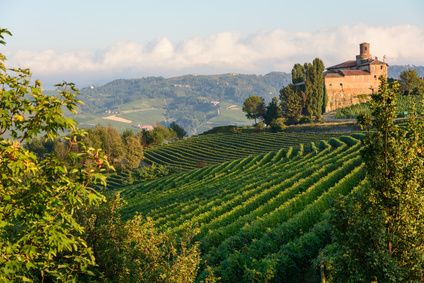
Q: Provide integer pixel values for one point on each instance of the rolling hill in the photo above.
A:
(262, 217)
(195, 102)
(217, 148)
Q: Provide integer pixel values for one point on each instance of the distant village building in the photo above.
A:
(145, 127)
(351, 82)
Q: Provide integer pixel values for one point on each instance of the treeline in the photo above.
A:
(306, 95)
(124, 151)
(304, 100)
(395, 70)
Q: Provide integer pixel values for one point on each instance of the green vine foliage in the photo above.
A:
(39, 238)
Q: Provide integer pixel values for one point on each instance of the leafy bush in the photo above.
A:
(305, 120)
(260, 126)
(277, 125)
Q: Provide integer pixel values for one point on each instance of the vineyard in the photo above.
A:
(210, 149)
(403, 107)
(262, 217)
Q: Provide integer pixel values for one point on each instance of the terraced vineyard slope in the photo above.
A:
(211, 149)
(261, 217)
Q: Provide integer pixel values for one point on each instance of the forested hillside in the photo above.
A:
(234, 87)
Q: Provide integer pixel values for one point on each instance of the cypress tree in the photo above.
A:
(317, 86)
(291, 103)
(297, 74)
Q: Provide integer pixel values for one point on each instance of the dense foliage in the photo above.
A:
(134, 250)
(410, 83)
(54, 226)
(306, 94)
(378, 232)
(39, 237)
(254, 107)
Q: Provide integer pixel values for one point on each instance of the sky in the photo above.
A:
(93, 42)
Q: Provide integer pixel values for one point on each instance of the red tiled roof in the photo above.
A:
(354, 73)
(332, 75)
(347, 64)
(378, 62)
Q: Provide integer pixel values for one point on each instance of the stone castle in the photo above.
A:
(352, 81)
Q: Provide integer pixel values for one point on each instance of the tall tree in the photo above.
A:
(309, 90)
(273, 111)
(254, 107)
(298, 74)
(410, 83)
(133, 151)
(309, 80)
(325, 100)
(291, 103)
(181, 133)
(317, 81)
(379, 231)
(115, 145)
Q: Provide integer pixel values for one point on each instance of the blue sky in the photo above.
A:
(90, 41)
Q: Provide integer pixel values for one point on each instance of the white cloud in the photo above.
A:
(260, 52)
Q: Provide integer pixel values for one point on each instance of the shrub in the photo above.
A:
(277, 125)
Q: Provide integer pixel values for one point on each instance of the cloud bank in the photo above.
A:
(257, 53)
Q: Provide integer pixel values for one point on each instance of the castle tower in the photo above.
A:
(364, 49)
(364, 53)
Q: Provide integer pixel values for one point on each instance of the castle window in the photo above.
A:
(375, 76)
(381, 67)
(330, 84)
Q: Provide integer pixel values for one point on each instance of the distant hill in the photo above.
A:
(395, 70)
(195, 102)
(234, 87)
